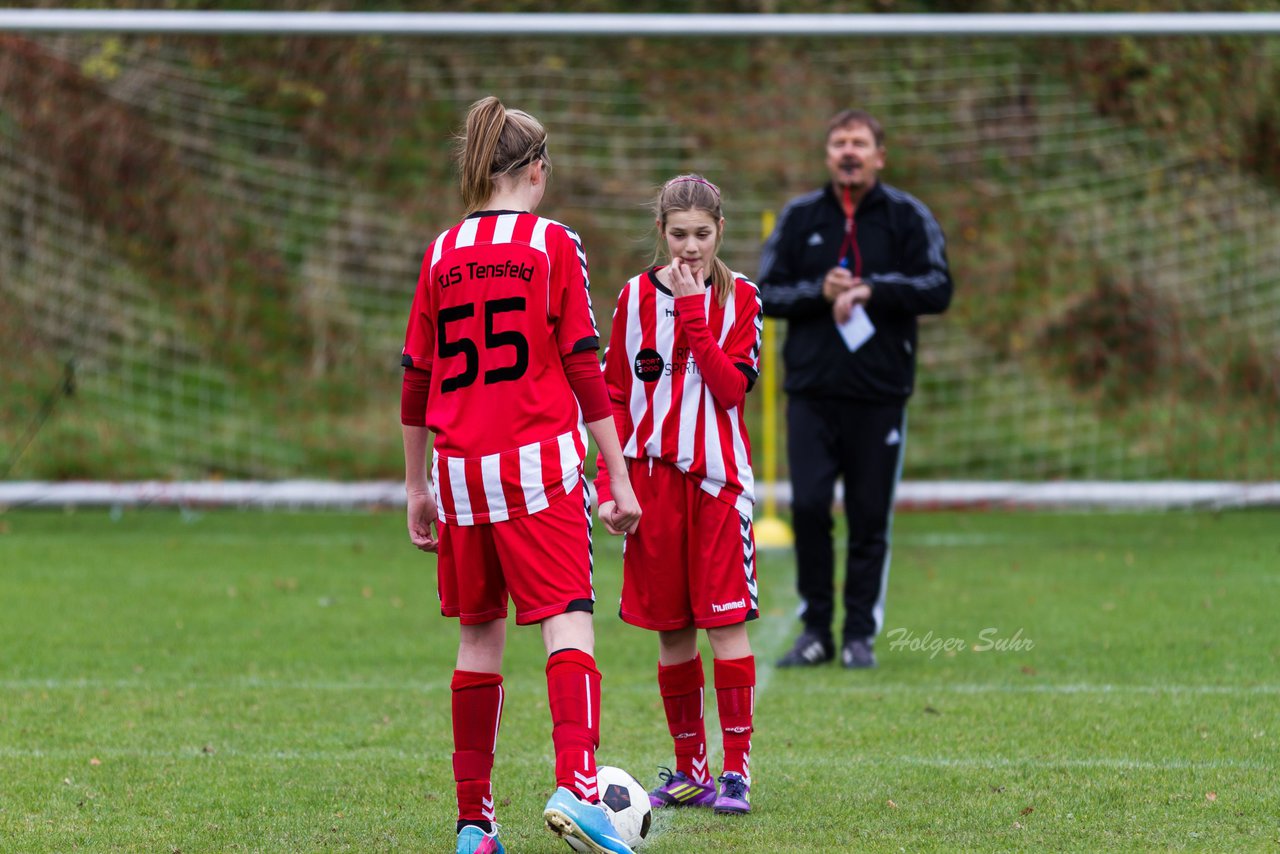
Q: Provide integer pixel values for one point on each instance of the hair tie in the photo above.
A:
(538, 154)
(695, 180)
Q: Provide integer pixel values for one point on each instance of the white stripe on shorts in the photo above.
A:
(535, 494)
(492, 474)
(458, 488)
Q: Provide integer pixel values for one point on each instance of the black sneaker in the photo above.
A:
(810, 649)
(857, 654)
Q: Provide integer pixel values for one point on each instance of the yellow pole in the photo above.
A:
(771, 531)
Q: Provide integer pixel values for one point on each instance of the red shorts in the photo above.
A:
(542, 561)
(692, 561)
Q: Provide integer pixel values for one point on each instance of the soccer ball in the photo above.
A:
(627, 804)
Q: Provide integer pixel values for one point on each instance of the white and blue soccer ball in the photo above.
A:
(626, 802)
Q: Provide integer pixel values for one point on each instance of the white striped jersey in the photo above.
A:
(661, 406)
(502, 298)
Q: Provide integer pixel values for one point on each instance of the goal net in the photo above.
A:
(222, 234)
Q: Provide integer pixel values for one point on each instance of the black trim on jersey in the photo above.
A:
(657, 283)
(590, 343)
(749, 372)
(406, 361)
(492, 213)
(653, 280)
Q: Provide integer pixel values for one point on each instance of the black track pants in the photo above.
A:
(862, 444)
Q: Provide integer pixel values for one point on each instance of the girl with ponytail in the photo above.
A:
(500, 364)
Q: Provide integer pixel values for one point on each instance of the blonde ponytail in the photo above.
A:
(497, 141)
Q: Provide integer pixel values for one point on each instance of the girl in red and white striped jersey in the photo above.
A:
(683, 353)
(500, 365)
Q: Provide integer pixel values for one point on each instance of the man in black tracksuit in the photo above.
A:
(856, 245)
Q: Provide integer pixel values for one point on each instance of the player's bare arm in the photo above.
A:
(421, 512)
(622, 514)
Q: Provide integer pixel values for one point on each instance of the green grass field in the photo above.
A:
(177, 682)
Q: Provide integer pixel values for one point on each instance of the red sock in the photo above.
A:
(736, 700)
(681, 686)
(573, 691)
(477, 713)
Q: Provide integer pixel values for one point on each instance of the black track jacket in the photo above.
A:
(903, 257)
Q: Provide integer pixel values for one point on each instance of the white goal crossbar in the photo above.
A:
(668, 25)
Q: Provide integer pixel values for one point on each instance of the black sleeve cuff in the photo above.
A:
(592, 344)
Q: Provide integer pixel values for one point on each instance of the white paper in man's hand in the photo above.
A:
(857, 329)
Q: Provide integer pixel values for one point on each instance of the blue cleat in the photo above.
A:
(570, 818)
(473, 840)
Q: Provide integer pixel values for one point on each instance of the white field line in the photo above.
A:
(108, 753)
(253, 684)
(769, 644)
(1077, 688)
(764, 645)
(1116, 762)
(764, 678)
(396, 754)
